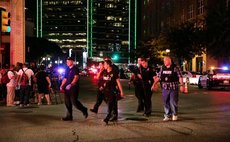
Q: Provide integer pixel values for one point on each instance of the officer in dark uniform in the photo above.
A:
(137, 82)
(111, 80)
(147, 75)
(170, 76)
(70, 85)
(117, 92)
(100, 93)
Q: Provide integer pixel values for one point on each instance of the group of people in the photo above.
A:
(145, 81)
(109, 87)
(110, 90)
(22, 80)
(144, 78)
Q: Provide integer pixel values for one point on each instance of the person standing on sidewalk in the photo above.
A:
(25, 77)
(70, 85)
(11, 87)
(171, 78)
(43, 85)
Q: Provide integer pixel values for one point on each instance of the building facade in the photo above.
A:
(93, 28)
(168, 13)
(13, 47)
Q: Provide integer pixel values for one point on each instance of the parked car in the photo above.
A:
(191, 77)
(215, 78)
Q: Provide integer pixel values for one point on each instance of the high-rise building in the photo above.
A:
(64, 22)
(110, 25)
(98, 28)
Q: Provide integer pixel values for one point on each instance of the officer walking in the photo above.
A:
(70, 85)
(137, 82)
(171, 78)
(100, 93)
(147, 75)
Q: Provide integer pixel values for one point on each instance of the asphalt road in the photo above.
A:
(203, 117)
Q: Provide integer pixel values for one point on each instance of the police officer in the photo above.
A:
(147, 75)
(100, 93)
(111, 80)
(70, 85)
(171, 78)
(117, 92)
(137, 82)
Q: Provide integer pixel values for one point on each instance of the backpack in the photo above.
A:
(5, 79)
(24, 79)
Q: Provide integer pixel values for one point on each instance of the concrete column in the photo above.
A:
(17, 36)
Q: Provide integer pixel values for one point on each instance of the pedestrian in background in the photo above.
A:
(171, 78)
(70, 85)
(11, 86)
(25, 78)
(43, 85)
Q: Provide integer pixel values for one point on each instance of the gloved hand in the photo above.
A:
(68, 87)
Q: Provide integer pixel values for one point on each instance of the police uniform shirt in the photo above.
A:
(109, 79)
(170, 77)
(147, 75)
(70, 73)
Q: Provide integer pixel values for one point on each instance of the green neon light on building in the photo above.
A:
(129, 30)
(91, 28)
(135, 25)
(41, 18)
(87, 41)
(37, 19)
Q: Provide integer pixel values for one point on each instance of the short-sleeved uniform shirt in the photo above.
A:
(70, 73)
(147, 75)
(110, 83)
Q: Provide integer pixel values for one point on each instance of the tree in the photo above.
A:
(150, 49)
(184, 42)
(217, 30)
(38, 47)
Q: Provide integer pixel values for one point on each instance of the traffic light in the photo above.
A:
(5, 21)
(115, 57)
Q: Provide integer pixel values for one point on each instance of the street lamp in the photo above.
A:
(167, 51)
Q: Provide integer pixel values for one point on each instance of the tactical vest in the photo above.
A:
(168, 74)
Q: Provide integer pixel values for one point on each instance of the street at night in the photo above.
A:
(203, 116)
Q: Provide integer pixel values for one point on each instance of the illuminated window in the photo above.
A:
(124, 42)
(200, 7)
(110, 18)
(190, 11)
(109, 6)
(117, 24)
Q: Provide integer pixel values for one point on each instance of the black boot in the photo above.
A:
(67, 118)
(94, 110)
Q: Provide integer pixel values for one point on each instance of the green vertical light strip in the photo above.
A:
(129, 30)
(37, 19)
(41, 18)
(87, 40)
(91, 28)
(135, 25)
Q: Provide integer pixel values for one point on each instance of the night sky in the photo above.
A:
(31, 8)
